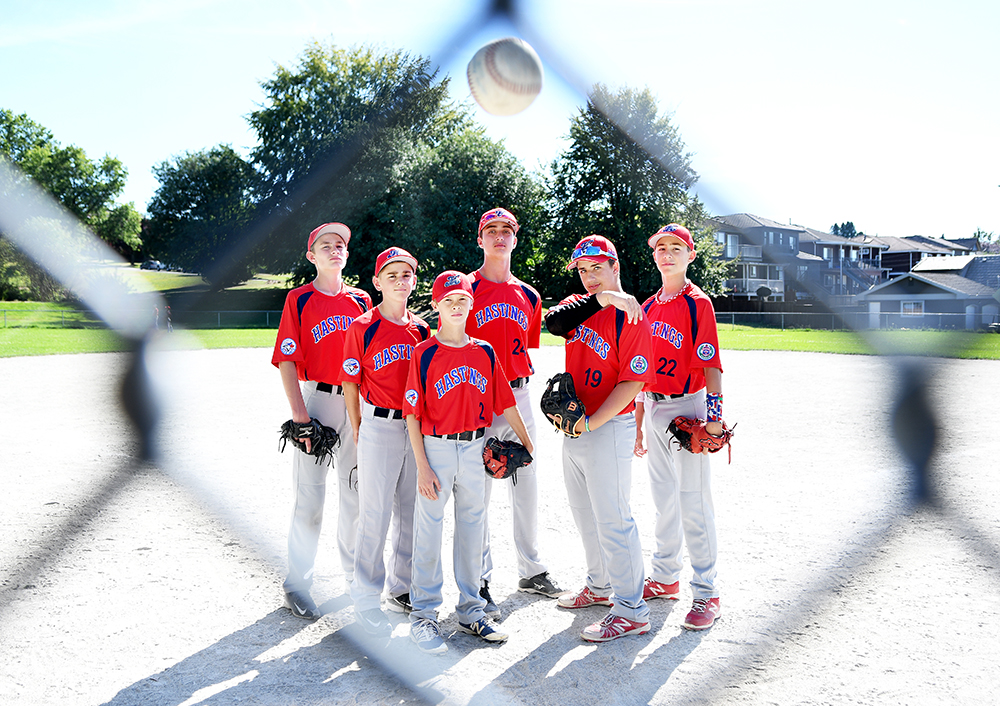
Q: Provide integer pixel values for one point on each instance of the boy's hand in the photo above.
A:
(640, 448)
(619, 300)
(427, 482)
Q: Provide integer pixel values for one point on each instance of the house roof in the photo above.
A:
(920, 243)
(948, 263)
(984, 269)
(818, 236)
(948, 281)
(748, 220)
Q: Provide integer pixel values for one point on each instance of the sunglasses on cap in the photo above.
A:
(592, 251)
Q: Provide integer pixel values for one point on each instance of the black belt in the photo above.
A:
(388, 413)
(660, 397)
(327, 387)
(464, 436)
(519, 382)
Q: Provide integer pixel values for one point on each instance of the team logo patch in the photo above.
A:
(706, 351)
(638, 365)
(288, 346)
(351, 366)
(411, 397)
(452, 280)
(392, 252)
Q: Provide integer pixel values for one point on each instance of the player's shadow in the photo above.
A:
(566, 665)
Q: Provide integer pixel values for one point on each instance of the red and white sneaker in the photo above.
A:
(654, 589)
(704, 613)
(584, 598)
(612, 627)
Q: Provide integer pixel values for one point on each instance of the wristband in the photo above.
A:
(713, 404)
(586, 423)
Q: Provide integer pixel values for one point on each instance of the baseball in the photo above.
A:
(505, 76)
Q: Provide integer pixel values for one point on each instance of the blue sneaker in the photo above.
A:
(427, 635)
(485, 628)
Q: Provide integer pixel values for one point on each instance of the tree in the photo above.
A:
(200, 211)
(625, 174)
(987, 242)
(845, 230)
(333, 135)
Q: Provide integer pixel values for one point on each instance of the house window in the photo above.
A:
(912, 309)
(791, 243)
(828, 254)
(733, 246)
(752, 271)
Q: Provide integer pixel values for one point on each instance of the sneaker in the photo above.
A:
(374, 622)
(583, 599)
(654, 589)
(540, 584)
(485, 628)
(427, 635)
(612, 627)
(491, 607)
(301, 604)
(704, 613)
(399, 604)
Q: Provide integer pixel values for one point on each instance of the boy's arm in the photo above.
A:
(713, 384)
(562, 319)
(427, 481)
(513, 416)
(640, 415)
(619, 398)
(352, 398)
(290, 381)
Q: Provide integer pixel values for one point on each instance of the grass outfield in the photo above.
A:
(945, 344)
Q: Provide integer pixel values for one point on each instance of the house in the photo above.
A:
(765, 249)
(900, 255)
(948, 291)
(848, 266)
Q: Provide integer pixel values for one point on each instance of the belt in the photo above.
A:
(660, 397)
(327, 387)
(387, 413)
(463, 436)
(519, 382)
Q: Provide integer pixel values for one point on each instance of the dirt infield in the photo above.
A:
(127, 583)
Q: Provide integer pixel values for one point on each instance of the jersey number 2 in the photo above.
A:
(662, 370)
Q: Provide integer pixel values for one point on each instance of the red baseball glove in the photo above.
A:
(691, 435)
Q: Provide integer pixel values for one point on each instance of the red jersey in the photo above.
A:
(451, 390)
(685, 341)
(377, 356)
(509, 316)
(605, 350)
(312, 330)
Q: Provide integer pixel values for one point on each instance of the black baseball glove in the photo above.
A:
(502, 458)
(560, 405)
(324, 439)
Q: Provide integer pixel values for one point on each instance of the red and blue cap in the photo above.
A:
(498, 214)
(672, 230)
(394, 255)
(593, 247)
(338, 228)
(450, 281)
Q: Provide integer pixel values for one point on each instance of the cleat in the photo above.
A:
(427, 636)
(703, 615)
(302, 606)
(584, 598)
(485, 628)
(540, 584)
(491, 607)
(399, 604)
(612, 627)
(654, 589)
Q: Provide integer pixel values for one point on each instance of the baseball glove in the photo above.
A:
(691, 435)
(560, 404)
(502, 458)
(324, 439)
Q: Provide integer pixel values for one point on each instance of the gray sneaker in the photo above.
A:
(374, 622)
(399, 604)
(540, 584)
(485, 628)
(301, 604)
(491, 607)
(427, 635)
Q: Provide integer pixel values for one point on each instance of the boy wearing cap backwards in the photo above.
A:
(376, 362)
(608, 350)
(455, 385)
(308, 354)
(507, 313)
(687, 383)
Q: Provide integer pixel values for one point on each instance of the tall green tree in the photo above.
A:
(200, 212)
(625, 174)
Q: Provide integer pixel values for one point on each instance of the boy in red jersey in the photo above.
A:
(687, 383)
(376, 362)
(507, 313)
(455, 386)
(308, 354)
(608, 350)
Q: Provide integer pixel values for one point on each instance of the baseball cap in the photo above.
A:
(593, 247)
(498, 214)
(450, 281)
(673, 231)
(394, 255)
(338, 228)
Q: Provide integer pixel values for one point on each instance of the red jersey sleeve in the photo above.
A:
(287, 346)
(705, 351)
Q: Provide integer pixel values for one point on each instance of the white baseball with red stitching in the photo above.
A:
(505, 76)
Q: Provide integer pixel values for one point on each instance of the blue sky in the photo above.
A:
(884, 113)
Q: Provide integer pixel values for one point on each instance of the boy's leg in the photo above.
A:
(574, 457)
(401, 530)
(427, 580)
(470, 516)
(346, 465)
